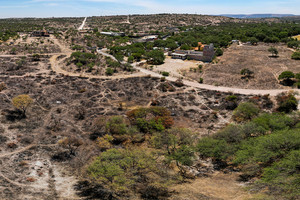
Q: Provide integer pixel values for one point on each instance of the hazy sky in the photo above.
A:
(59, 8)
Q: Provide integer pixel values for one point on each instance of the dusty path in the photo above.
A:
(82, 25)
(214, 187)
(217, 88)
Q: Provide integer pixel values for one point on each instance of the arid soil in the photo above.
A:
(256, 58)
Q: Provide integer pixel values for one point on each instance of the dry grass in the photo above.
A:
(256, 58)
(216, 186)
(296, 37)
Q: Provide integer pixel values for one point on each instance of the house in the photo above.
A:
(113, 33)
(200, 47)
(147, 38)
(206, 55)
(43, 33)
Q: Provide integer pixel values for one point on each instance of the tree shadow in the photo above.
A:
(13, 115)
(93, 191)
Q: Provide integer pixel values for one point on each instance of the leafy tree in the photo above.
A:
(185, 47)
(71, 143)
(155, 57)
(273, 51)
(286, 77)
(22, 102)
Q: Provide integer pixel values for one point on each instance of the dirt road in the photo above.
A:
(217, 88)
(82, 25)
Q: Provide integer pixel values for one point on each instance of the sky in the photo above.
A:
(82, 8)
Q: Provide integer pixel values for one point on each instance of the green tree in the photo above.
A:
(22, 102)
(155, 57)
(286, 77)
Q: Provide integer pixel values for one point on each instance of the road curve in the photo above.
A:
(273, 92)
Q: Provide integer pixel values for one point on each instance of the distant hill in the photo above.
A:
(242, 16)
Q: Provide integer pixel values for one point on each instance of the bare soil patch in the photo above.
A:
(256, 58)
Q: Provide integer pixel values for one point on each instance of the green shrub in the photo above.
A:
(116, 125)
(245, 112)
(165, 73)
(296, 55)
(231, 134)
(284, 175)
(267, 149)
(215, 148)
(287, 103)
(219, 52)
(109, 71)
(120, 169)
(153, 118)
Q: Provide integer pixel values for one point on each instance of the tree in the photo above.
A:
(155, 57)
(286, 77)
(70, 143)
(253, 40)
(22, 102)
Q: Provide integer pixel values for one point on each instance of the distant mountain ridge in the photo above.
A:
(243, 16)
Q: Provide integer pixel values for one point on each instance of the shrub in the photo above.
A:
(215, 148)
(109, 71)
(296, 55)
(245, 112)
(293, 44)
(273, 51)
(157, 118)
(165, 73)
(219, 52)
(200, 80)
(231, 134)
(287, 103)
(246, 73)
(116, 125)
(120, 169)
